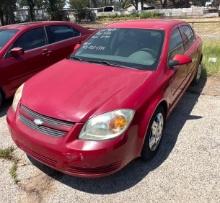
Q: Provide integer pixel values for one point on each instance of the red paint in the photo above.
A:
(16, 69)
(182, 59)
(75, 91)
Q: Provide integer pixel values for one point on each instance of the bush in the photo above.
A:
(85, 14)
(135, 15)
(144, 15)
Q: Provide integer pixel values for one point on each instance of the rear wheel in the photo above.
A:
(198, 74)
(154, 134)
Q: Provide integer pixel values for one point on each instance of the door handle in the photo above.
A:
(48, 52)
(44, 52)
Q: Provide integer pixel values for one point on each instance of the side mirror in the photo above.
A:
(17, 51)
(77, 46)
(179, 59)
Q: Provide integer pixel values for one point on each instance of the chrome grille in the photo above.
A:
(42, 129)
(50, 126)
(47, 119)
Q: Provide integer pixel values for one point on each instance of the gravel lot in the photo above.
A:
(186, 168)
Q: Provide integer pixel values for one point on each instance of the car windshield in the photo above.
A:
(6, 35)
(133, 48)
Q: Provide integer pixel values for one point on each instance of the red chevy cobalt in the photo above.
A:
(26, 49)
(93, 113)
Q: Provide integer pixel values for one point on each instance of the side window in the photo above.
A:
(188, 35)
(58, 33)
(31, 39)
(176, 44)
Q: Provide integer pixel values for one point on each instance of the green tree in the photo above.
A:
(31, 4)
(93, 3)
(7, 8)
(163, 3)
(180, 3)
(55, 9)
(124, 3)
(79, 6)
(135, 3)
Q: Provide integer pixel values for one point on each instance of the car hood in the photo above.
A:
(73, 91)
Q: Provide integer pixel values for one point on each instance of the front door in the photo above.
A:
(17, 70)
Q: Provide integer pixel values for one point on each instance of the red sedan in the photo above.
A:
(25, 49)
(92, 114)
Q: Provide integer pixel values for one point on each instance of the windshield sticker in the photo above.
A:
(106, 33)
(93, 47)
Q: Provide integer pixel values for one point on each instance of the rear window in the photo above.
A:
(188, 35)
(58, 33)
(6, 35)
(176, 44)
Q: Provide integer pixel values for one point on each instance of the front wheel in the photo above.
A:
(1, 98)
(154, 134)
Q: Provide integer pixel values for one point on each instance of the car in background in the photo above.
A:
(219, 11)
(28, 48)
(91, 114)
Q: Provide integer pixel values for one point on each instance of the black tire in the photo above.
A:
(198, 74)
(1, 98)
(147, 151)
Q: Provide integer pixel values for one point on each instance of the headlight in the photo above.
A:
(17, 97)
(107, 126)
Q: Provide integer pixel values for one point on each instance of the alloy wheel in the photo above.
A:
(156, 131)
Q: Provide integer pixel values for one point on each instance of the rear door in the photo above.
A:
(61, 39)
(19, 69)
(180, 72)
(191, 48)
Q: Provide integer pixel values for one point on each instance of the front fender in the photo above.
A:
(146, 118)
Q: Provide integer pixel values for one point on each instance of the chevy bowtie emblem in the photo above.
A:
(38, 122)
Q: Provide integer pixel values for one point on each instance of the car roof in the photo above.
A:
(159, 24)
(22, 26)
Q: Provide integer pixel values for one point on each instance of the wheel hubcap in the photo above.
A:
(156, 131)
(199, 72)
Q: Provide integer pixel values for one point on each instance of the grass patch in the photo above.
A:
(211, 52)
(7, 154)
(13, 171)
(144, 15)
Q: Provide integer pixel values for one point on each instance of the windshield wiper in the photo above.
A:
(103, 62)
(76, 58)
(99, 62)
(106, 63)
(90, 60)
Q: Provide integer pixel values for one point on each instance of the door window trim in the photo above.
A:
(41, 27)
(194, 36)
(172, 31)
(175, 28)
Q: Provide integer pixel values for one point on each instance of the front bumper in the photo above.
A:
(73, 156)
